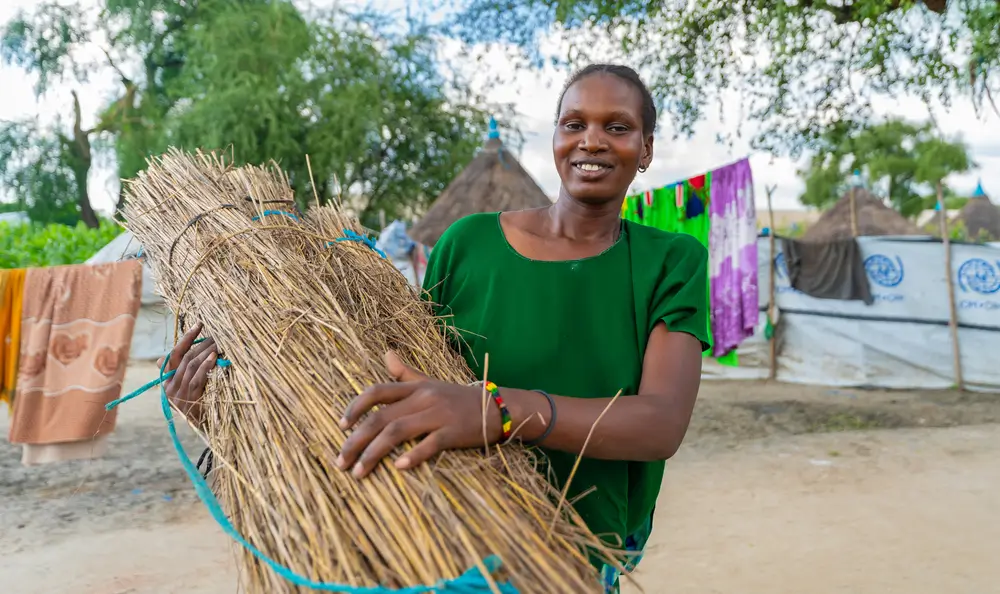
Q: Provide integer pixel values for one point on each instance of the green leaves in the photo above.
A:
(364, 99)
(34, 245)
(906, 159)
(795, 65)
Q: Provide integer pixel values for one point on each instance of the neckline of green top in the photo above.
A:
(510, 248)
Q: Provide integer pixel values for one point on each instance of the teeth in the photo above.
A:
(589, 167)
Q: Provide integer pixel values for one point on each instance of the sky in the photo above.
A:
(534, 98)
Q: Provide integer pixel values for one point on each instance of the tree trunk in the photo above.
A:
(87, 214)
(81, 157)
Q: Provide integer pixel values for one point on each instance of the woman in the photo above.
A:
(573, 305)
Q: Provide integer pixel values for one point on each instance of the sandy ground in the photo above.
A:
(779, 488)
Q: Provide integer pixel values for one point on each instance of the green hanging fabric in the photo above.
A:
(665, 214)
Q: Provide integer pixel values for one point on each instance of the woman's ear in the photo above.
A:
(647, 153)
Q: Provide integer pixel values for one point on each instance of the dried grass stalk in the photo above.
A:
(305, 320)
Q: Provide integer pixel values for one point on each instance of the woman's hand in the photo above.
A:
(449, 415)
(192, 363)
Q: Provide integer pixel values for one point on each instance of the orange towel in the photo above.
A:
(76, 331)
(11, 300)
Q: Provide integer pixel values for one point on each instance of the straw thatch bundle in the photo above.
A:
(494, 181)
(304, 320)
(872, 216)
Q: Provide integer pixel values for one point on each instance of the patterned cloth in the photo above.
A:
(11, 302)
(732, 248)
(76, 331)
(635, 543)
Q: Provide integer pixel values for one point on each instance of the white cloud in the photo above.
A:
(534, 97)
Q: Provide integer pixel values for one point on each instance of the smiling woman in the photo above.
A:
(567, 299)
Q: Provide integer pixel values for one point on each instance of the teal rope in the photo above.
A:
(268, 213)
(357, 237)
(470, 582)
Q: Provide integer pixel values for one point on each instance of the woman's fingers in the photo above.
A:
(181, 388)
(391, 435)
(401, 372)
(185, 370)
(428, 447)
(374, 396)
(207, 362)
(182, 347)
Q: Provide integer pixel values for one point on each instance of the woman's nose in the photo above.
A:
(592, 141)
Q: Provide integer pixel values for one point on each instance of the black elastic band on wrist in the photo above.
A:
(552, 420)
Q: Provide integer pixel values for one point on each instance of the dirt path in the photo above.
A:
(753, 503)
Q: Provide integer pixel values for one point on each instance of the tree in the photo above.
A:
(798, 65)
(366, 102)
(904, 160)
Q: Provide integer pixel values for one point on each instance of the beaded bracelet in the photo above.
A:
(506, 424)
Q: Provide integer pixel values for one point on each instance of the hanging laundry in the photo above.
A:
(827, 269)
(732, 249)
(76, 331)
(11, 300)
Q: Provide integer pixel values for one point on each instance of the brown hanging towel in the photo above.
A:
(827, 269)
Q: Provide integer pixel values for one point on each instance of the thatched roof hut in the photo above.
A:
(493, 181)
(873, 218)
(981, 217)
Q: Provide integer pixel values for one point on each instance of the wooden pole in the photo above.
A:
(771, 306)
(854, 212)
(956, 351)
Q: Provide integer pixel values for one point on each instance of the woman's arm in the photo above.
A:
(646, 426)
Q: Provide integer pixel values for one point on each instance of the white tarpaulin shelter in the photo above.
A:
(154, 325)
(900, 341)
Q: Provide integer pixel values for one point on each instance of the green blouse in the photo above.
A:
(573, 328)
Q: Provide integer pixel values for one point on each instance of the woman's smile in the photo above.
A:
(589, 170)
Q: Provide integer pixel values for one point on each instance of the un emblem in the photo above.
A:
(883, 270)
(978, 275)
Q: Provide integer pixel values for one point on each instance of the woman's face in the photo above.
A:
(599, 143)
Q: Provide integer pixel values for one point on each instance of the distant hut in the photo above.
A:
(872, 217)
(494, 181)
(981, 217)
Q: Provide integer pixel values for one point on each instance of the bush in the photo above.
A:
(34, 246)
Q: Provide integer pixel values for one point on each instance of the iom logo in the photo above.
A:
(883, 270)
(979, 276)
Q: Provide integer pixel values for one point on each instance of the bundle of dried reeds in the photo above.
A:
(305, 317)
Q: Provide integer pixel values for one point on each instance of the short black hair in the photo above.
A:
(628, 75)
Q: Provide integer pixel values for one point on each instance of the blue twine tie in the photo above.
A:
(268, 213)
(470, 582)
(350, 235)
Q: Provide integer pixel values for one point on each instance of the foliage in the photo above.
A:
(382, 126)
(797, 64)
(36, 167)
(34, 245)
(905, 159)
(957, 231)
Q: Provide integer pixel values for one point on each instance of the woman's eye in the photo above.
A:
(574, 126)
(618, 129)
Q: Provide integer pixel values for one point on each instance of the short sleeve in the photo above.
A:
(435, 283)
(680, 298)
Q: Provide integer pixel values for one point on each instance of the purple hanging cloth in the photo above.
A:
(732, 259)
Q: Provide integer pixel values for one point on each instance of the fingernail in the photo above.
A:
(358, 470)
(403, 462)
(341, 463)
(343, 423)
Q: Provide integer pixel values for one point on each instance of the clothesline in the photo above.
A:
(680, 181)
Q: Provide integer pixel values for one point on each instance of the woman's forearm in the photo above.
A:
(635, 427)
